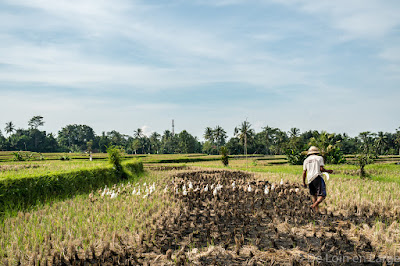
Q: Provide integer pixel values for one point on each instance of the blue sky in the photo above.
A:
(128, 64)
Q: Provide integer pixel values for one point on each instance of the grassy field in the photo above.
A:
(97, 225)
(37, 168)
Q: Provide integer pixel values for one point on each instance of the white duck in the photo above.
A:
(249, 188)
(266, 190)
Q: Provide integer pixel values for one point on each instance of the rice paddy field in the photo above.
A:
(184, 211)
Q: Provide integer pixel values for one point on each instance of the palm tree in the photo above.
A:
(138, 133)
(244, 133)
(219, 136)
(10, 127)
(166, 136)
(294, 132)
(155, 141)
(380, 141)
(209, 134)
(397, 138)
(323, 141)
(367, 140)
(281, 140)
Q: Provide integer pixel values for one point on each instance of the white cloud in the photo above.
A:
(146, 130)
(391, 54)
(96, 47)
(356, 18)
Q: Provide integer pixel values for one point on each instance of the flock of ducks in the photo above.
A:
(232, 210)
(143, 190)
(186, 188)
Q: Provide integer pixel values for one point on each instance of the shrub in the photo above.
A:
(18, 156)
(64, 157)
(295, 156)
(21, 193)
(334, 155)
(115, 158)
(362, 160)
(224, 157)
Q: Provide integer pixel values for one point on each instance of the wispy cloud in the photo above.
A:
(357, 18)
(185, 59)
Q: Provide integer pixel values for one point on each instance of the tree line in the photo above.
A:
(269, 141)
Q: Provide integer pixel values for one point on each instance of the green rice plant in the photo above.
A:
(23, 193)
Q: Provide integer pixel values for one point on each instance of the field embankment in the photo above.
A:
(21, 189)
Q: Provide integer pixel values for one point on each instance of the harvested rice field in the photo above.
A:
(174, 216)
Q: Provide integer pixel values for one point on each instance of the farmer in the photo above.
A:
(313, 167)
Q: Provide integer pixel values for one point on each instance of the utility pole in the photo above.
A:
(173, 127)
(245, 141)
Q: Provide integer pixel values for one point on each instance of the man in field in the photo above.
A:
(313, 167)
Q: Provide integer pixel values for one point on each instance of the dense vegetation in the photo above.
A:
(270, 141)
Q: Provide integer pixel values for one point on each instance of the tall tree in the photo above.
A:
(168, 142)
(397, 139)
(367, 141)
(381, 141)
(138, 133)
(155, 143)
(280, 141)
(268, 133)
(10, 128)
(244, 133)
(36, 122)
(209, 134)
(186, 142)
(219, 136)
(294, 132)
(75, 137)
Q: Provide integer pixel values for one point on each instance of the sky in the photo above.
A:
(128, 64)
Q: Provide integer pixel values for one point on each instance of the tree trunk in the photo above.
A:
(362, 172)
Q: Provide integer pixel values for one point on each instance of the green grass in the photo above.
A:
(20, 192)
(24, 169)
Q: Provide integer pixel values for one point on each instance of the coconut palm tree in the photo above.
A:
(155, 142)
(294, 132)
(380, 141)
(138, 133)
(10, 128)
(244, 133)
(367, 141)
(219, 136)
(209, 134)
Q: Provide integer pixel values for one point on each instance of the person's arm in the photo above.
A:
(304, 178)
(325, 170)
